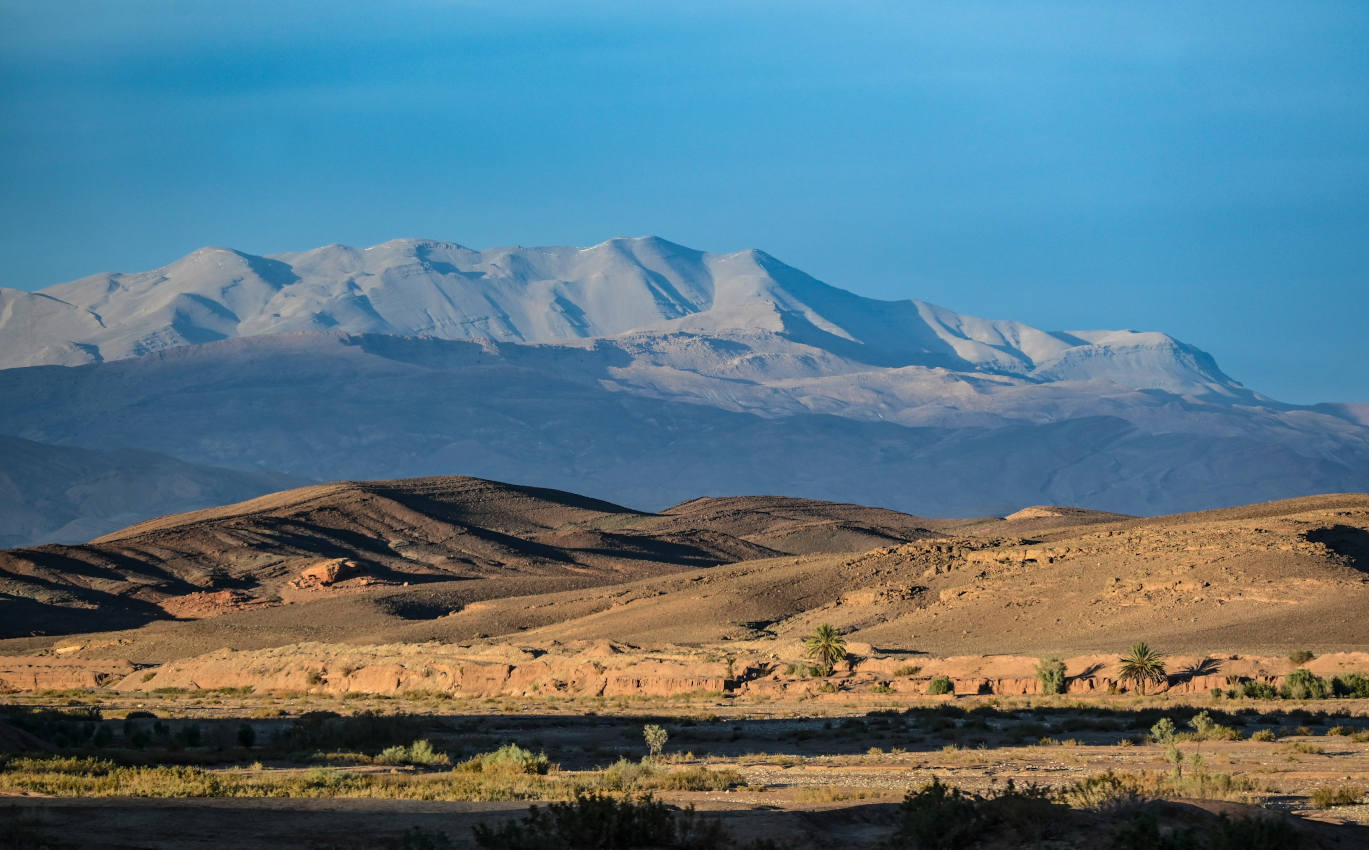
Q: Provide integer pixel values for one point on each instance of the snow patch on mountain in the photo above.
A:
(696, 305)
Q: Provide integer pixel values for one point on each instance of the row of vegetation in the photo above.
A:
(510, 773)
(1119, 811)
(1140, 668)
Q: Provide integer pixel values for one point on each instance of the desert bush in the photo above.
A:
(327, 730)
(1050, 672)
(1337, 795)
(940, 685)
(188, 735)
(1107, 791)
(1163, 731)
(72, 726)
(644, 775)
(601, 821)
(829, 794)
(1304, 684)
(696, 779)
(1265, 735)
(907, 670)
(1111, 789)
(937, 815)
(1301, 656)
(508, 759)
(1351, 685)
(627, 775)
(656, 737)
(1206, 728)
(82, 777)
(1142, 831)
(1258, 690)
(940, 816)
(881, 688)
(247, 736)
(420, 752)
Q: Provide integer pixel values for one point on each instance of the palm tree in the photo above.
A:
(1142, 665)
(826, 647)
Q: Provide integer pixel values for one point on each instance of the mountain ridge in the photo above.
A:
(641, 371)
(416, 287)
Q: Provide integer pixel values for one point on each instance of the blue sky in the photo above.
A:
(1198, 168)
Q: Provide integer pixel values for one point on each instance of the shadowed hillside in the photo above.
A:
(303, 544)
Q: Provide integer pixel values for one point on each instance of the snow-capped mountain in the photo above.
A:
(548, 295)
(639, 371)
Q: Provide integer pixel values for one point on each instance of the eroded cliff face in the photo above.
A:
(613, 670)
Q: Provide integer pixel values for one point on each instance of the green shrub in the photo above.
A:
(940, 685)
(1205, 728)
(1258, 690)
(366, 730)
(1303, 684)
(1163, 731)
(939, 816)
(1105, 792)
(1301, 657)
(645, 775)
(1050, 672)
(908, 670)
(1264, 735)
(1142, 832)
(1337, 795)
(601, 821)
(420, 752)
(1351, 685)
(655, 736)
(508, 759)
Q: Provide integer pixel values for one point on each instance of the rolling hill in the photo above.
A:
(321, 540)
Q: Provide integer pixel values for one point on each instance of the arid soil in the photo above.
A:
(815, 773)
(332, 539)
(511, 614)
(1267, 580)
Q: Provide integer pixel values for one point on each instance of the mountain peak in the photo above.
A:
(624, 285)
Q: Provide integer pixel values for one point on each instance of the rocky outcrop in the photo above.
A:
(43, 673)
(599, 669)
(459, 671)
(327, 572)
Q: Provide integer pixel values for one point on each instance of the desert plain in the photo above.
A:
(413, 663)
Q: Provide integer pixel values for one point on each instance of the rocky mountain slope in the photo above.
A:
(319, 541)
(642, 372)
(1266, 578)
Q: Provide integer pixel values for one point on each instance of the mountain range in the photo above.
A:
(636, 370)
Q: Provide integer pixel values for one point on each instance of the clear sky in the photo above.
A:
(1199, 168)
